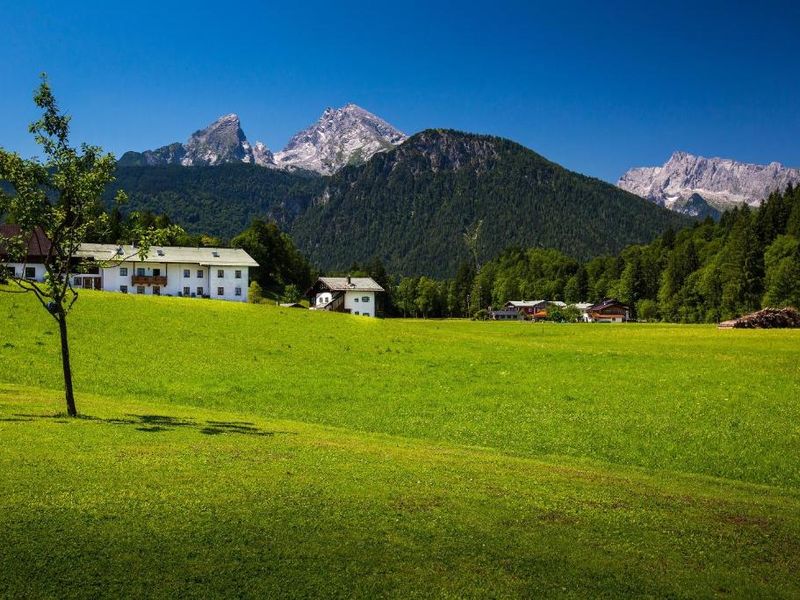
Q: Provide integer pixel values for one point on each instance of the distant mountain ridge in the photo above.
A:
(694, 184)
(342, 136)
(409, 206)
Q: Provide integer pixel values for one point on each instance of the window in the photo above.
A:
(199, 273)
(220, 291)
(30, 272)
(355, 299)
(220, 273)
(156, 290)
(123, 271)
(156, 272)
(123, 289)
(187, 273)
(200, 291)
(237, 292)
(186, 291)
(140, 289)
(140, 271)
(238, 274)
(365, 298)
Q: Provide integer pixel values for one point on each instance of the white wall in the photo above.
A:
(322, 299)
(354, 301)
(19, 269)
(207, 283)
(229, 283)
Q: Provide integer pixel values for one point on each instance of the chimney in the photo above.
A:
(348, 279)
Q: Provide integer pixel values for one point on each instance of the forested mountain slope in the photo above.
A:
(410, 207)
(218, 200)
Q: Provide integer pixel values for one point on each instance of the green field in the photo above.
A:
(239, 450)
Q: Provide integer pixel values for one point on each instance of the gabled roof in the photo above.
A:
(607, 303)
(38, 244)
(211, 257)
(350, 284)
(525, 303)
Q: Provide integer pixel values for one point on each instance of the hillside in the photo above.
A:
(411, 206)
(394, 471)
(218, 200)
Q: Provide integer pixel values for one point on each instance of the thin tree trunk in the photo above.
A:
(62, 327)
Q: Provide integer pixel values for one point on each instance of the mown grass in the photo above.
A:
(250, 451)
(684, 398)
(200, 503)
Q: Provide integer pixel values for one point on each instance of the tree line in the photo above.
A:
(705, 273)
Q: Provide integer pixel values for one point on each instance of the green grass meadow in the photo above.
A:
(250, 451)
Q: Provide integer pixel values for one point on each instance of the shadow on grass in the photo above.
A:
(158, 423)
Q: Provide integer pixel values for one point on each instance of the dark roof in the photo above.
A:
(607, 303)
(38, 244)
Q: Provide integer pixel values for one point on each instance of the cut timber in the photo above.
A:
(767, 318)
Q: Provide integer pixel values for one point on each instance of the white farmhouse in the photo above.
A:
(354, 295)
(217, 273)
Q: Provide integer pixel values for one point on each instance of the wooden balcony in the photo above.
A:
(149, 280)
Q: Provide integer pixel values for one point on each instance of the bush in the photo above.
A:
(255, 295)
(568, 314)
(647, 310)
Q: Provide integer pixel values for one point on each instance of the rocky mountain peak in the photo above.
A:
(222, 141)
(341, 136)
(686, 179)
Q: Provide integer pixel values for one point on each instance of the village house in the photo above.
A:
(533, 309)
(505, 314)
(526, 308)
(217, 273)
(354, 295)
(608, 311)
(32, 265)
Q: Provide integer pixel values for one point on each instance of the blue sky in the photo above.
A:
(596, 86)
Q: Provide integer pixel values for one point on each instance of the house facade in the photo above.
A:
(608, 311)
(505, 314)
(533, 309)
(32, 265)
(354, 295)
(217, 273)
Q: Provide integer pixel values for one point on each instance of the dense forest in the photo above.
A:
(705, 273)
(219, 201)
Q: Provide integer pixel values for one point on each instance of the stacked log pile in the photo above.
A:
(767, 318)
